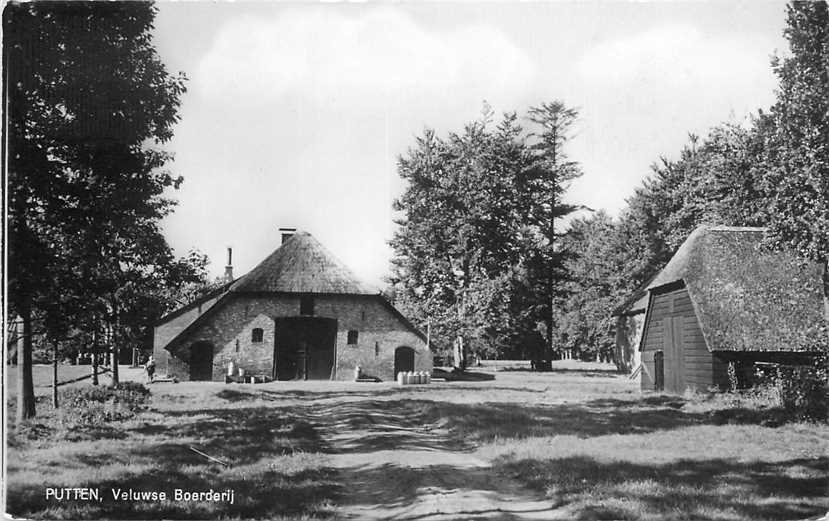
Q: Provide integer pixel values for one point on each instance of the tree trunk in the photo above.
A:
(550, 324)
(94, 353)
(55, 403)
(115, 353)
(25, 386)
(826, 289)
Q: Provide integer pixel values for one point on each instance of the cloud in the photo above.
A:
(674, 56)
(321, 54)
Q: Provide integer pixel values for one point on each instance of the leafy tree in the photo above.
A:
(796, 159)
(89, 103)
(474, 254)
(459, 231)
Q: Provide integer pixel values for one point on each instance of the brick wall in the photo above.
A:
(162, 334)
(230, 329)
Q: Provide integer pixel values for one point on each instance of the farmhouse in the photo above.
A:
(299, 314)
(723, 299)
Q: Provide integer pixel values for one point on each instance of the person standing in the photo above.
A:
(150, 368)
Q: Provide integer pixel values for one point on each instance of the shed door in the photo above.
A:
(674, 354)
(658, 371)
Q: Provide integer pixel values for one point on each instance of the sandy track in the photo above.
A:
(393, 468)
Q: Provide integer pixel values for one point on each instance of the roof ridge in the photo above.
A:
(302, 264)
(724, 228)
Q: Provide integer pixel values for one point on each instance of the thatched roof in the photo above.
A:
(746, 297)
(302, 265)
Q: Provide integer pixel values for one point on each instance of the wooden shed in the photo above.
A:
(627, 328)
(723, 298)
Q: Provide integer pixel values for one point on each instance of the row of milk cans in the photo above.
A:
(416, 377)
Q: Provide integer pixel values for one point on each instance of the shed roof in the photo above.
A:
(746, 297)
(302, 265)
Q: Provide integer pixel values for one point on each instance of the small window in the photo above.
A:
(256, 335)
(352, 338)
(306, 305)
(376, 348)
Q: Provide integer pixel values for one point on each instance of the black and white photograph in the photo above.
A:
(415, 261)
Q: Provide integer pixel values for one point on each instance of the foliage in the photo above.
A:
(802, 391)
(594, 286)
(90, 104)
(96, 405)
(796, 155)
(474, 252)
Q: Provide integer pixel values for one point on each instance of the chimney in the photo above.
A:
(287, 233)
(229, 267)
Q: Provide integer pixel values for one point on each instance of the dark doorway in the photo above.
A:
(659, 371)
(304, 348)
(201, 361)
(403, 360)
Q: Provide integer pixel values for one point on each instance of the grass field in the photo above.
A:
(578, 443)
(68, 376)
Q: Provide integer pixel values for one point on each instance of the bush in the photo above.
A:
(95, 405)
(802, 391)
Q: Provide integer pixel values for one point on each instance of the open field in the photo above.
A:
(68, 376)
(578, 443)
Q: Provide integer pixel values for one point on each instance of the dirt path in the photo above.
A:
(396, 468)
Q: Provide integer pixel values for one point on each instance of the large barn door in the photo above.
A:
(403, 360)
(305, 348)
(201, 361)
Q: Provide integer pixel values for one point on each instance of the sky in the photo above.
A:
(296, 113)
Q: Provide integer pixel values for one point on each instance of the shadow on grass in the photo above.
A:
(240, 435)
(702, 490)
(485, 422)
(368, 392)
(590, 373)
(232, 395)
(275, 469)
(268, 495)
(407, 421)
(415, 424)
(463, 376)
